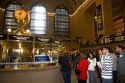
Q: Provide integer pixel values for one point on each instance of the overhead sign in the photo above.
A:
(56, 42)
(3, 36)
(20, 37)
(41, 39)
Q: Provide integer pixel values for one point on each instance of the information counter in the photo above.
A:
(29, 59)
(31, 73)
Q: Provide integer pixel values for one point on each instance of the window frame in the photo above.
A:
(60, 32)
(12, 18)
(46, 27)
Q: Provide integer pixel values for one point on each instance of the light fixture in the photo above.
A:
(9, 30)
(51, 14)
(27, 31)
(81, 6)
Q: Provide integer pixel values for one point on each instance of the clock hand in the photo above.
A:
(20, 13)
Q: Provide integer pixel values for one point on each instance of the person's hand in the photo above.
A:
(99, 64)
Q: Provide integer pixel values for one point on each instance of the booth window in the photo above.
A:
(62, 22)
(9, 15)
(38, 20)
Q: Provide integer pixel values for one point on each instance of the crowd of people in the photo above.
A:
(102, 64)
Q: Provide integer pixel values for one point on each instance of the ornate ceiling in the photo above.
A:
(72, 5)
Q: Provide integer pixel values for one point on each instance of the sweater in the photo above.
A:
(106, 66)
(114, 62)
(83, 67)
(92, 64)
(65, 63)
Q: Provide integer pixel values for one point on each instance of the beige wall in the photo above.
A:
(83, 25)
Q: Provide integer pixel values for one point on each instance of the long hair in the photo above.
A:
(91, 54)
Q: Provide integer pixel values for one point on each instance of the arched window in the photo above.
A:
(38, 19)
(9, 15)
(62, 22)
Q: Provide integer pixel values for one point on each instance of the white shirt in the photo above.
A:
(92, 64)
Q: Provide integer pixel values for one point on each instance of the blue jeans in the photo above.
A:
(66, 76)
(106, 80)
(92, 76)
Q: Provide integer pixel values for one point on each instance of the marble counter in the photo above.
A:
(39, 74)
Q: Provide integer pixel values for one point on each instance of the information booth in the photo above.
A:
(28, 50)
(29, 59)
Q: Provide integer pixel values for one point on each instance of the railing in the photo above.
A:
(114, 38)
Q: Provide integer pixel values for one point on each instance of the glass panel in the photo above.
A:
(9, 15)
(39, 32)
(38, 16)
(61, 22)
(38, 20)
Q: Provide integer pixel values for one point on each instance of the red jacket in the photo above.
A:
(83, 67)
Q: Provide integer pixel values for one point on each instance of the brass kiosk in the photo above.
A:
(27, 58)
(25, 48)
(18, 64)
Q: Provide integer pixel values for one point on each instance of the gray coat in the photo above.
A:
(121, 64)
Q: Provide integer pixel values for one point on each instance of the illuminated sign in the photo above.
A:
(42, 58)
(41, 39)
(20, 37)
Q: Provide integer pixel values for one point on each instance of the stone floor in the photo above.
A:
(74, 78)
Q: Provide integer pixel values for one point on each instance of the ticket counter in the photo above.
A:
(21, 61)
(48, 74)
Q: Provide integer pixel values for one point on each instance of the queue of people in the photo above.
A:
(102, 64)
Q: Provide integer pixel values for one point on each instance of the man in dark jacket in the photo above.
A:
(64, 61)
(121, 63)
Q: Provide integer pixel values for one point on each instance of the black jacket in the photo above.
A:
(65, 63)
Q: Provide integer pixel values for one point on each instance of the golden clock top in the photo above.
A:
(20, 14)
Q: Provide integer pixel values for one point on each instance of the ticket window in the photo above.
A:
(42, 49)
(47, 49)
(19, 51)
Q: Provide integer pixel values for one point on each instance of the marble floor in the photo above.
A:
(74, 79)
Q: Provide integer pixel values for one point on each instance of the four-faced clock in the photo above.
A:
(20, 14)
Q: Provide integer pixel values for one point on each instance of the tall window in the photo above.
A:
(38, 20)
(62, 22)
(9, 15)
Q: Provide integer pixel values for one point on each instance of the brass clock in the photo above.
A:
(20, 14)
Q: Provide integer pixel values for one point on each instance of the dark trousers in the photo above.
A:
(106, 80)
(92, 76)
(99, 73)
(115, 77)
(82, 81)
(66, 76)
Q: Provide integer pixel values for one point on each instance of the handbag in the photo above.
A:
(77, 71)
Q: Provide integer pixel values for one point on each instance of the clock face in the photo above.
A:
(20, 14)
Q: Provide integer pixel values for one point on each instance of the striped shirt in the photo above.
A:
(106, 66)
